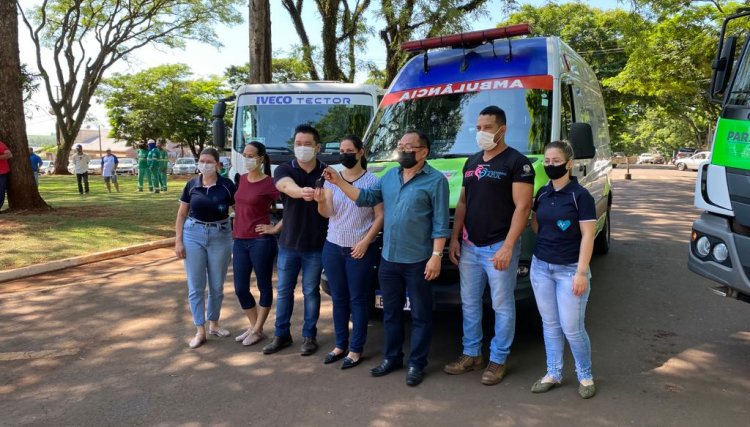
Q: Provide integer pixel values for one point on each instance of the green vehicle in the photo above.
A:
(548, 93)
(720, 240)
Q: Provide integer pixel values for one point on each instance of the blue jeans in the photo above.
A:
(349, 282)
(208, 250)
(476, 270)
(395, 280)
(258, 254)
(36, 178)
(3, 187)
(288, 265)
(562, 313)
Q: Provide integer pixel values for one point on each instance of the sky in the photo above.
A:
(206, 60)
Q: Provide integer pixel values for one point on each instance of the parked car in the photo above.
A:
(47, 168)
(693, 161)
(683, 153)
(95, 167)
(127, 166)
(619, 158)
(170, 168)
(185, 165)
(650, 158)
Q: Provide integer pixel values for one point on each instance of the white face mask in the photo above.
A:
(251, 163)
(304, 154)
(486, 140)
(207, 168)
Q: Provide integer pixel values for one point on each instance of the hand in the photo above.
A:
(307, 194)
(332, 176)
(501, 259)
(319, 195)
(179, 250)
(580, 283)
(265, 229)
(454, 251)
(359, 250)
(432, 269)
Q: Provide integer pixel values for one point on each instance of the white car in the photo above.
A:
(95, 166)
(127, 166)
(47, 167)
(185, 166)
(693, 161)
(650, 158)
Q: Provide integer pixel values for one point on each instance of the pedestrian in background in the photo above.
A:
(143, 171)
(36, 163)
(5, 155)
(163, 165)
(564, 219)
(203, 238)
(348, 255)
(81, 168)
(255, 245)
(109, 170)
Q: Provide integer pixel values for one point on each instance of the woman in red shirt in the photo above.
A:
(254, 241)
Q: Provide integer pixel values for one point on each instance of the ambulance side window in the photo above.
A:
(566, 109)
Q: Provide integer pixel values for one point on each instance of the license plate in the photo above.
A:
(379, 300)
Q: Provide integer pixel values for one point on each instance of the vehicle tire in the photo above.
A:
(601, 242)
(681, 166)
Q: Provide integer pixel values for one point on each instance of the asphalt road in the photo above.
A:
(106, 344)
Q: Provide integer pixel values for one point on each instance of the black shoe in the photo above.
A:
(386, 367)
(331, 357)
(350, 363)
(309, 346)
(414, 376)
(278, 343)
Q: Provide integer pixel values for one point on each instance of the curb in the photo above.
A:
(33, 270)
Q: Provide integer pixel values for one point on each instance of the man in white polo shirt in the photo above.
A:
(109, 170)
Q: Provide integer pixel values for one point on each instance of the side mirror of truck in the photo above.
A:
(722, 69)
(582, 140)
(219, 129)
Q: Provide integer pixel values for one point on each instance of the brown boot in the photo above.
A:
(494, 373)
(464, 364)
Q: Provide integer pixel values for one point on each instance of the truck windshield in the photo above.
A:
(740, 91)
(450, 122)
(273, 125)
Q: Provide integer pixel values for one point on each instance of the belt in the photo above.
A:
(217, 224)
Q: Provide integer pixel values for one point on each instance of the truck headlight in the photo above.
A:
(703, 246)
(720, 252)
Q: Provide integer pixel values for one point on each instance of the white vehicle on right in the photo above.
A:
(693, 161)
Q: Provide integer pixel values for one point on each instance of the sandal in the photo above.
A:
(197, 341)
(221, 332)
(253, 338)
(241, 338)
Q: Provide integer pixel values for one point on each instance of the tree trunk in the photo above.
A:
(23, 193)
(329, 14)
(295, 12)
(260, 41)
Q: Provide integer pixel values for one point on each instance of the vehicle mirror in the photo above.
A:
(722, 68)
(219, 128)
(582, 140)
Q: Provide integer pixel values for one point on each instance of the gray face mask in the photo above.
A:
(207, 168)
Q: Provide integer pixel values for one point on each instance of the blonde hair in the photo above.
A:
(563, 146)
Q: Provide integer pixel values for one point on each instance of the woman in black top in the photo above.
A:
(204, 240)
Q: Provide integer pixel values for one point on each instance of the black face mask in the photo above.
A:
(407, 160)
(556, 172)
(349, 160)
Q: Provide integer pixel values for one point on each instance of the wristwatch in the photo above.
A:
(437, 254)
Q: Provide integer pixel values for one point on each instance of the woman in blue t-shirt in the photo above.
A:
(564, 219)
(203, 238)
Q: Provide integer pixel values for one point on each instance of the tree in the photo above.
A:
(407, 19)
(260, 41)
(161, 103)
(88, 37)
(283, 70)
(23, 193)
(343, 32)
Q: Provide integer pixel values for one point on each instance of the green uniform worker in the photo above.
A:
(143, 172)
(163, 166)
(154, 166)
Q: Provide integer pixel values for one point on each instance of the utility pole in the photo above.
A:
(100, 138)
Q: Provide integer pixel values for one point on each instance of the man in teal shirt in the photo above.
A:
(163, 165)
(415, 198)
(143, 171)
(154, 166)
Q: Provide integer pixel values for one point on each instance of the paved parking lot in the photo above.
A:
(106, 344)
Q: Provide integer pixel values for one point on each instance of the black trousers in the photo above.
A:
(85, 178)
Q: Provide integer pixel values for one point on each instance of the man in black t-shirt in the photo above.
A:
(301, 241)
(492, 212)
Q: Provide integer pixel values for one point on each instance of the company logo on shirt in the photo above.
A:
(483, 171)
(563, 224)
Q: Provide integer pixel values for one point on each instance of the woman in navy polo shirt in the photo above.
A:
(564, 219)
(203, 238)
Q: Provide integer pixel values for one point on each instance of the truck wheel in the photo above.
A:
(681, 166)
(601, 242)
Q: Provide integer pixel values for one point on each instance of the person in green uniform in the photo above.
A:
(143, 172)
(163, 165)
(223, 171)
(154, 166)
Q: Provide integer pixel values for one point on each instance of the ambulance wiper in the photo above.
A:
(747, 90)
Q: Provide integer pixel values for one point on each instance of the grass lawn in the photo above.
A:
(83, 224)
